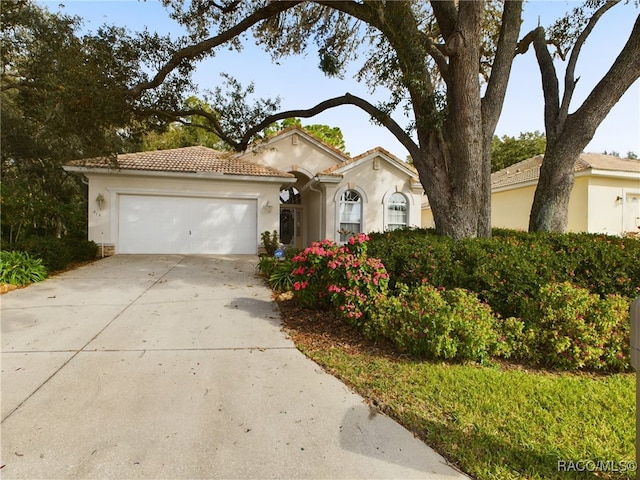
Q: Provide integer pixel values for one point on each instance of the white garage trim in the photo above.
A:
(186, 224)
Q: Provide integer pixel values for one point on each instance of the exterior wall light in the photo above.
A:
(100, 201)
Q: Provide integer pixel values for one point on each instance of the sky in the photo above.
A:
(300, 84)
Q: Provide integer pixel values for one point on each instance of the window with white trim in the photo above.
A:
(350, 214)
(396, 211)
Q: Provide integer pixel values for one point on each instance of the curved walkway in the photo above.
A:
(173, 367)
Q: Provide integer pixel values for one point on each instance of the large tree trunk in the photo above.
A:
(463, 129)
(451, 167)
(550, 209)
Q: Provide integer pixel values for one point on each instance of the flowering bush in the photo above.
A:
(570, 328)
(343, 277)
(437, 323)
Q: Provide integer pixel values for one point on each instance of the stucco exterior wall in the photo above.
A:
(598, 204)
(511, 208)
(578, 206)
(426, 218)
(293, 152)
(610, 209)
(379, 179)
(103, 223)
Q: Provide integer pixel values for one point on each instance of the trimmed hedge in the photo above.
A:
(58, 253)
(511, 267)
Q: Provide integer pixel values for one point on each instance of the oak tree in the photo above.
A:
(431, 55)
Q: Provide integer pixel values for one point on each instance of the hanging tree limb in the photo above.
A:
(347, 99)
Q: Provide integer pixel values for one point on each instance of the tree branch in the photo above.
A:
(243, 143)
(214, 127)
(346, 99)
(622, 74)
(192, 51)
(569, 78)
(446, 15)
(550, 86)
(437, 53)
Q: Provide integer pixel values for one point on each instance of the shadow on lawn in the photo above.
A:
(489, 456)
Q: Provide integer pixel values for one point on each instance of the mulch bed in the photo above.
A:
(321, 330)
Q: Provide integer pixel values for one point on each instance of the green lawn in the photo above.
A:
(497, 422)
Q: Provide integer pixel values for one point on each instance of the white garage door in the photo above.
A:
(165, 224)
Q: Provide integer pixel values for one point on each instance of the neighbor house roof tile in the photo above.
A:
(183, 160)
(529, 170)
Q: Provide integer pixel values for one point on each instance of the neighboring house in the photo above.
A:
(199, 200)
(605, 197)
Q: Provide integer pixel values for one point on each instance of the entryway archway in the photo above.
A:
(291, 226)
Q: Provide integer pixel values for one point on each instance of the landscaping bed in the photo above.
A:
(498, 421)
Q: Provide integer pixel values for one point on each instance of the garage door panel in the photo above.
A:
(169, 224)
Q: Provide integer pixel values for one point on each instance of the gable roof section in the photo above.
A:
(180, 160)
(338, 154)
(529, 170)
(369, 155)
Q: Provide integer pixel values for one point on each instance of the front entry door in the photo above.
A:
(291, 226)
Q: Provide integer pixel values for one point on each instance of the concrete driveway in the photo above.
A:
(172, 367)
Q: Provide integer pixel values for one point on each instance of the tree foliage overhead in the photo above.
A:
(63, 95)
(329, 135)
(445, 63)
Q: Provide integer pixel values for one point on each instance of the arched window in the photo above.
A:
(396, 211)
(290, 196)
(350, 214)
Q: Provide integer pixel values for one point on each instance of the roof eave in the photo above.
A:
(597, 172)
(200, 175)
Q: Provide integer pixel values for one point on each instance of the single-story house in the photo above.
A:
(199, 200)
(605, 197)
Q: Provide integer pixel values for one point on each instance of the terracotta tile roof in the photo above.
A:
(529, 170)
(183, 160)
(607, 162)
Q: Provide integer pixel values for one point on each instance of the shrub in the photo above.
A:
(270, 241)
(281, 278)
(510, 267)
(310, 271)
(19, 268)
(343, 277)
(267, 265)
(570, 328)
(436, 323)
(277, 272)
(512, 339)
(58, 253)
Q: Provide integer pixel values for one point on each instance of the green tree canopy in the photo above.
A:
(329, 135)
(63, 97)
(430, 55)
(187, 131)
(508, 150)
